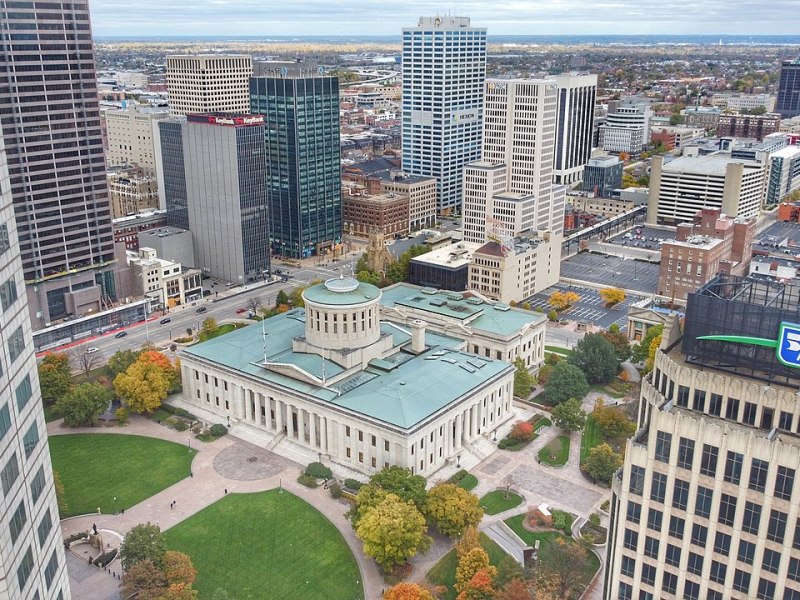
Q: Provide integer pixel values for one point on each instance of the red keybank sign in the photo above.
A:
(230, 120)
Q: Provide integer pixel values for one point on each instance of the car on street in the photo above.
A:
(202, 309)
(92, 350)
(240, 310)
(165, 320)
(121, 334)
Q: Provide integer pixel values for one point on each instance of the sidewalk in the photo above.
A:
(205, 487)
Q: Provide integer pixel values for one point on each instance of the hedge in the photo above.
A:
(105, 558)
(74, 538)
(318, 471)
(218, 430)
(307, 480)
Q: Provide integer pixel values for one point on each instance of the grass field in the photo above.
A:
(558, 350)
(468, 482)
(444, 571)
(267, 545)
(96, 468)
(590, 437)
(496, 502)
(556, 452)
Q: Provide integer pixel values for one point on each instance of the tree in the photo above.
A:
(564, 560)
(612, 296)
(143, 542)
(521, 431)
(655, 344)
(569, 415)
(562, 300)
(602, 463)
(523, 380)
(470, 563)
(641, 350)
(179, 591)
(144, 581)
(60, 500)
(178, 568)
(281, 299)
(564, 382)
(452, 509)
(612, 422)
(85, 360)
(392, 532)
(143, 386)
(84, 404)
(469, 540)
(367, 498)
(55, 377)
(253, 304)
(595, 356)
(515, 590)
(479, 587)
(120, 361)
(619, 342)
(401, 482)
(407, 591)
(207, 329)
(160, 360)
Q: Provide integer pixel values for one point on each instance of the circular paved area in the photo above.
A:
(246, 462)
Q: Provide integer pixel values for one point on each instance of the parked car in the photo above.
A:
(92, 350)
(202, 309)
(165, 320)
(121, 334)
(240, 310)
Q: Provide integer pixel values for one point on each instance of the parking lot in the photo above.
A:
(589, 308)
(778, 237)
(611, 271)
(644, 237)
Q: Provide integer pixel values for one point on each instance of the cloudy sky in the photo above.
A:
(386, 17)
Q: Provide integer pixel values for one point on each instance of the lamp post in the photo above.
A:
(190, 443)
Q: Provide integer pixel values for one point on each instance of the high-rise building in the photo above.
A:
(215, 165)
(32, 563)
(510, 201)
(627, 128)
(576, 104)
(788, 103)
(301, 112)
(602, 175)
(705, 505)
(51, 129)
(208, 83)
(444, 67)
(130, 137)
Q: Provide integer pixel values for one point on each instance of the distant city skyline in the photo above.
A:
(507, 17)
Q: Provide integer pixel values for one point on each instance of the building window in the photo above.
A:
(386, 445)
(17, 521)
(8, 293)
(718, 572)
(691, 590)
(727, 509)
(695, 563)
(51, 569)
(758, 475)
(732, 409)
(663, 446)
(31, 439)
(741, 581)
(749, 416)
(772, 561)
(785, 421)
(699, 535)
(654, 518)
(673, 555)
(347, 430)
(634, 512)
(23, 393)
(659, 487)
(361, 457)
(625, 591)
(747, 551)
(24, 569)
(733, 467)
(37, 485)
(5, 420)
(648, 574)
(631, 539)
(722, 543)
(794, 569)
(683, 396)
(651, 547)
(703, 502)
(685, 453)
(708, 461)
(776, 529)
(751, 518)
(45, 525)
(16, 344)
(784, 482)
(676, 525)
(766, 589)
(9, 473)
(669, 582)
(637, 480)
(628, 566)
(360, 436)
(680, 494)
(699, 401)
(348, 452)
(715, 405)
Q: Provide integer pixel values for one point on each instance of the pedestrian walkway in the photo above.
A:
(215, 469)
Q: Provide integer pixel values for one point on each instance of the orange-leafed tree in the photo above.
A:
(479, 587)
(407, 591)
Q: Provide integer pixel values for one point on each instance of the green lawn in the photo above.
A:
(95, 468)
(220, 330)
(589, 568)
(590, 437)
(444, 571)
(556, 452)
(271, 544)
(496, 502)
(558, 350)
(468, 482)
(604, 389)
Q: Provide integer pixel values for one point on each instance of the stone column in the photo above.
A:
(248, 408)
(312, 429)
(301, 426)
(323, 433)
(289, 421)
(473, 422)
(279, 415)
(459, 430)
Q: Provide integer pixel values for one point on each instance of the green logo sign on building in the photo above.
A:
(787, 346)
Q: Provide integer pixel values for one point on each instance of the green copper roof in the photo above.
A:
(341, 291)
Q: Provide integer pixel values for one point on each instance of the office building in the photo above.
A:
(365, 213)
(208, 83)
(713, 243)
(602, 176)
(744, 102)
(444, 66)
(675, 138)
(788, 104)
(576, 104)
(130, 137)
(784, 174)
(58, 178)
(166, 282)
(32, 563)
(705, 505)
(301, 112)
(421, 192)
(127, 229)
(748, 126)
(702, 116)
(680, 188)
(358, 377)
(216, 166)
(444, 268)
(627, 128)
(131, 192)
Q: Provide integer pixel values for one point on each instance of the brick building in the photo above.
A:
(388, 213)
(748, 126)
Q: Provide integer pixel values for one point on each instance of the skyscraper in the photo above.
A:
(301, 111)
(788, 103)
(444, 67)
(706, 504)
(208, 83)
(51, 128)
(32, 563)
(576, 103)
(215, 177)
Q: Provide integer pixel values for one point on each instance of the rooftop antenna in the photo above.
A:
(264, 336)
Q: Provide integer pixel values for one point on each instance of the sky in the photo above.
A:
(133, 18)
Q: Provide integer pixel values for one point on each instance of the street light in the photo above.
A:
(190, 443)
